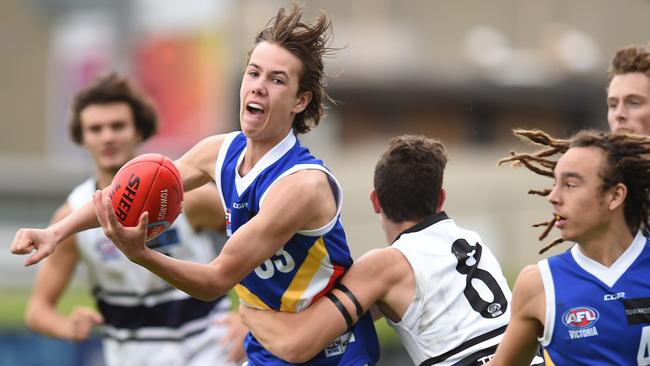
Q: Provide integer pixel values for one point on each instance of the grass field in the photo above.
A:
(14, 301)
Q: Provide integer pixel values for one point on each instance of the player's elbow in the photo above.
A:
(294, 355)
(31, 318)
(209, 294)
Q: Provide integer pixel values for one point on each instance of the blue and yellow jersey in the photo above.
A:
(597, 315)
(307, 266)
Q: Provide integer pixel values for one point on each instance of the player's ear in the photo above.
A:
(618, 194)
(375, 202)
(441, 199)
(302, 102)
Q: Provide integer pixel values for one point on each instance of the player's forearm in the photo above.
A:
(202, 281)
(277, 332)
(79, 220)
(46, 320)
(295, 337)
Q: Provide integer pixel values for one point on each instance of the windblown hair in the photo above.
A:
(310, 43)
(630, 59)
(408, 177)
(627, 162)
(113, 88)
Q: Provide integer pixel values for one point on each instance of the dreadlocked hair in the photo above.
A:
(310, 43)
(628, 162)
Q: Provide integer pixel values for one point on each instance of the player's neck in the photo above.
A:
(394, 229)
(608, 245)
(256, 149)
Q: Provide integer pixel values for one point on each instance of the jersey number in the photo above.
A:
(643, 356)
(282, 261)
(468, 258)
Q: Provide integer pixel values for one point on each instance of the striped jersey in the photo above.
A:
(307, 266)
(138, 307)
(461, 304)
(597, 315)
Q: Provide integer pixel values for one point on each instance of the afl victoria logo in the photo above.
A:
(580, 317)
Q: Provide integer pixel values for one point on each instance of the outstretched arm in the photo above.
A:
(44, 241)
(195, 168)
(51, 280)
(519, 344)
(297, 337)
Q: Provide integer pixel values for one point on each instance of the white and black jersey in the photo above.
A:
(147, 321)
(461, 305)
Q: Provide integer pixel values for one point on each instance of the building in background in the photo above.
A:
(465, 71)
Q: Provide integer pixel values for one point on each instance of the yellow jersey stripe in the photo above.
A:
(304, 275)
(547, 359)
(250, 298)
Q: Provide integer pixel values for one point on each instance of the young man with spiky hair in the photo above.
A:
(144, 320)
(628, 91)
(287, 246)
(589, 305)
(437, 284)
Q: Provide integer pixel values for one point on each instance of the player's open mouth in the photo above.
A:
(254, 108)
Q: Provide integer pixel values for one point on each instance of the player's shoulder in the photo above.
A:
(204, 153)
(304, 183)
(529, 282)
(385, 262)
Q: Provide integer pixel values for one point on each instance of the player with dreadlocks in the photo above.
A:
(591, 304)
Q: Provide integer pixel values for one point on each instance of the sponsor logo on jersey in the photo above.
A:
(616, 296)
(580, 321)
(339, 345)
(637, 311)
(494, 310)
(239, 206)
(580, 317)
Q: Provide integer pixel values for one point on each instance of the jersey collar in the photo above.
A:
(425, 223)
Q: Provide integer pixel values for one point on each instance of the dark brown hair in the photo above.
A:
(310, 43)
(408, 177)
(630, 59)
(627, 162)
(113, 88)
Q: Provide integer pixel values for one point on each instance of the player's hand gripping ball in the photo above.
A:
(149, 182)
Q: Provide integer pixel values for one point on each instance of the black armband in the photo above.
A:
(341, 287)
(342, 309)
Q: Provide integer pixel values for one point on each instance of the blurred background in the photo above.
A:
(464, 71)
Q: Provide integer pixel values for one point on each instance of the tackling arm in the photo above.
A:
(297, 337)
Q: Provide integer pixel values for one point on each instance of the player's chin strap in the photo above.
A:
(341, 307)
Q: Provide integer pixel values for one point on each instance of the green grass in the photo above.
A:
(14, 302)
(386, 334)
